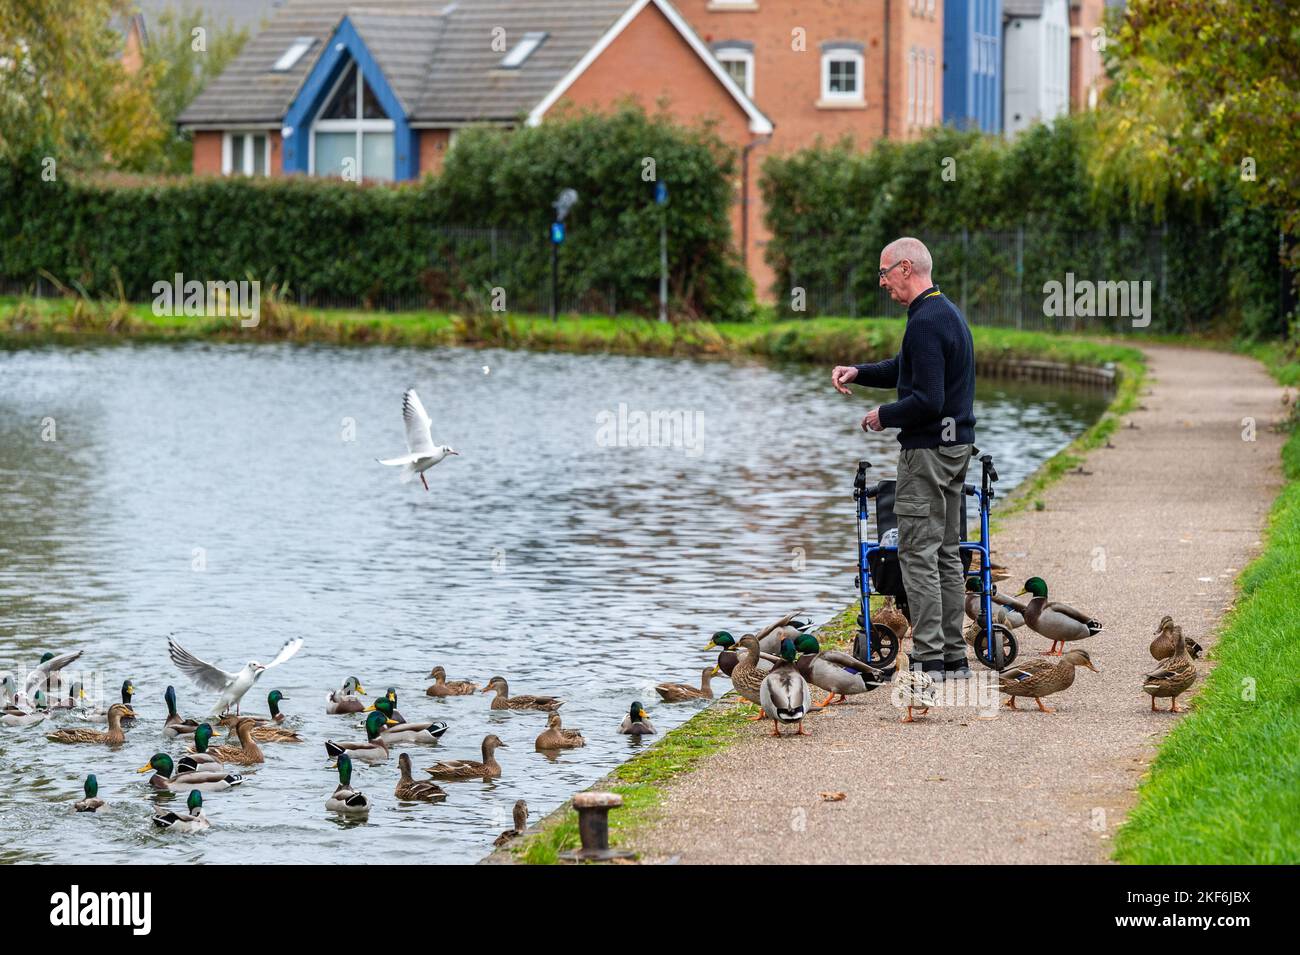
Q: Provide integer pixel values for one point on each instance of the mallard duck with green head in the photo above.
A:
(200, 756)
(1056, 621)
(92, 802)
(165, 777)
(398, 731)
(637, 722)
(1037, 678)
(504, 701)
(444, 687)
(347, 699)
(176, 725)
(681, 692)
(784, 693)
(373, 750)
(115, 736)
(839, 674)
(459, 770)
(345, 799)
(1174, 678)
(196, 820)
(410, 789)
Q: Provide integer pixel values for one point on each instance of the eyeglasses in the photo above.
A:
(884, 272)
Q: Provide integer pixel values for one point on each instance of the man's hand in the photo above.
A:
(872, 421)
(841, 375)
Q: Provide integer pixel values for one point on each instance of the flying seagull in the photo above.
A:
(423, 453)
(231, 686)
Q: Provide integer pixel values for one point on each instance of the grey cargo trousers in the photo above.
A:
(927, 503)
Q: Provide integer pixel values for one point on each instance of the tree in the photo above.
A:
(1206, 93)
(64, 93)
(182, 56)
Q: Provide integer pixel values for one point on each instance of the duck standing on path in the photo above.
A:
(114, 737)
(345, 799)
(555, 736)
(839, 674)
(346, 700)
(784, 693)
(1162, 647)
(680, 692)
(913, 689)
(444, 687)
(1059, 622)
(504, 701)
(893, 618)
(410, 789)
(193, 821)
(459, 770)
(1174, 678)
(1036, 678)
(747, 676)
(421, 452)
(230, 686)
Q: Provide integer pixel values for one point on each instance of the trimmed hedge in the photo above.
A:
(330, 241)
(832, 208)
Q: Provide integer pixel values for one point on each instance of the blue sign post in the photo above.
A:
(661, 200)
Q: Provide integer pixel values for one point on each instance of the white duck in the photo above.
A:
(231, 686)
(422, 453)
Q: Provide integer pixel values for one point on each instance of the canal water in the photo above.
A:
(605, 516)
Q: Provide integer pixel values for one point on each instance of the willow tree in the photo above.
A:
(1206, 95)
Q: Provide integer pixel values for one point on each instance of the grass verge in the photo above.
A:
(1223, 788)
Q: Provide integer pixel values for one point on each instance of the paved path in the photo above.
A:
(1176, 508)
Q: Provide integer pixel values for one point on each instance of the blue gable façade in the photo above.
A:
(343, 47)
(972, 64)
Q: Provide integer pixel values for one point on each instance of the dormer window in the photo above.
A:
(522, 51)
(290, 57)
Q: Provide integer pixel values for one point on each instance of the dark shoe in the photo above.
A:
(957, 669)
(935, 669)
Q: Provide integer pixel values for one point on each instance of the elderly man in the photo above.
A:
(934, 372)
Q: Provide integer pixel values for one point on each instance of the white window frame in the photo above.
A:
(519, 54)
(246, 160)
(840, 56)
(295, 52)
(734, 53)
(357, 126)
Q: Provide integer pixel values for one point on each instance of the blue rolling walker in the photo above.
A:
(876, 643)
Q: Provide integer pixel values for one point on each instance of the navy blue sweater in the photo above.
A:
(934, 372)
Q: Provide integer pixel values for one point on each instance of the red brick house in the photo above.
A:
(376, 89)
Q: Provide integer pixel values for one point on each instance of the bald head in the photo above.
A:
(913, 250)
(905, 269)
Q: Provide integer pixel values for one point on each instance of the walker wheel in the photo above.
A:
(884, 646)
(1009, 647)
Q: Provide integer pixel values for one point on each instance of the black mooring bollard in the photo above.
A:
(593, 827)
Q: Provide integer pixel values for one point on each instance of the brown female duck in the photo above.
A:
(410, 789)
(1162, 647)
(1174, 678)
(504, 701)
(444, 687)
(114, 737)
(1038, 678)
(555, 736)
(680, 692)
(456, 770)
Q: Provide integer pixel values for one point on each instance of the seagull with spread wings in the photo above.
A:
(422, 452)
(231, 686)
